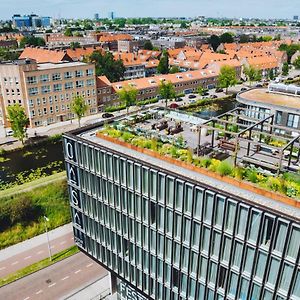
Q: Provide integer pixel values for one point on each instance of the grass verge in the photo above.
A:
(19, 223)
(39, 265)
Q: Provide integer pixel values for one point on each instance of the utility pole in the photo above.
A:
(48, 241)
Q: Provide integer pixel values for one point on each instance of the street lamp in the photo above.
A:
(48, 241)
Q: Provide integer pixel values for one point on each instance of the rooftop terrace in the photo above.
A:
(223, 145)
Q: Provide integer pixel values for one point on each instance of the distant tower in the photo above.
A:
(296, 18)
(96, 17)
(112, 15)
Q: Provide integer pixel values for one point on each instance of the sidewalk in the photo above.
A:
(34, 242)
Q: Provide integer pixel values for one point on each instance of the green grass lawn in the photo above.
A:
(49, 200)
(39, 265)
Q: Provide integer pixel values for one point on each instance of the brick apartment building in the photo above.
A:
(46, 90)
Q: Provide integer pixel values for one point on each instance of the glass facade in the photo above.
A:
(172, 238)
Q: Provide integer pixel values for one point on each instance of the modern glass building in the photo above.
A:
(166, 232)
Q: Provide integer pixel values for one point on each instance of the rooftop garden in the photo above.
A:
(287, 184)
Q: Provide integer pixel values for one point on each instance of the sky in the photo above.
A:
(151, 8)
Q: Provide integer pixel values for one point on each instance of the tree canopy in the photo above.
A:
(6, 54)
(163, 66)
(290, 50)
(226, 38)
(148, 45)
(166, 91)
(32, 41)
(214, 41)
(252, 74)
(79, 107)
(296, 63)
(128, 96)
(106, 65)
(227, 77)
(174, 69)
(18, 120)
(285, 69)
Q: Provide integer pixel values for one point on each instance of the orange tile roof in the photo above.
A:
(153, 82)
(79, 53)
(42, 55)
(263, 63)
(114, 37)
(102, 81)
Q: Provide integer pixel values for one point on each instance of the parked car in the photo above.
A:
(9, 132)
(290, 78)
(244, 89)
(191, 96)
(107, 115)
(219, 90)
(178, 99)
(214, 96)
(205, 94)
(259, 85)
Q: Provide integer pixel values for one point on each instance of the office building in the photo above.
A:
(31, 21)
(96, 16)
(165, 230)
(46, 90)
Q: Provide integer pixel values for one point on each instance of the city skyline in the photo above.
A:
(175, 8)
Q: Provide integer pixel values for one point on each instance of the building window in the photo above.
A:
(222, 277)
(279, 117)
(68, 75)
(89, 72)
(44, 78)
(267, 231)
(56, 76)
(57, 87)
(33, 91)
(294, 243)
(175, 278)
(45, 89)
(68, 86)
(31, 80)
(293, 121)
(79, 73)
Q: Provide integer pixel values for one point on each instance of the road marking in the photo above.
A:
(65, 278)
(40, 252)
(39, 292)
(14, 263)
(89, 265)
(27, 257)
(63, 242)
(27, 298)
(77, 271)
(2, 268)
(52, 284)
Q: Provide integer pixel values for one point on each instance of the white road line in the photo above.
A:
(52, 284)
(39, 292)
(2, 268)
(65, 278)
(27, 257)
(26, 298)
(14, 263)
(89, 265)
(40, 252)
(77, 271)
(63, 242)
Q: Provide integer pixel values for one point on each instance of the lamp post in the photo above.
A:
(48, 241)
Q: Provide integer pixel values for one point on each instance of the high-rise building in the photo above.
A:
(111, 15)
(31, 21)
(296, 18)
(96, 16)
(165, 230)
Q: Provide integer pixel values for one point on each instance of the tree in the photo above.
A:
(74, 45)
(166, 91)
(296, 63)
(290, 50)
(148, 45)
(6, 54)
(271, 74)
(128, 97)
(200, 90)
(252, 74)
(244, 38)
(174, 69)
(79, 107)
(214, 41)
(32, 41)
(226, 38)
(163, 66)
(106, 65)
(18, 120)
(285, 69)
(227, 77)
(68, 32)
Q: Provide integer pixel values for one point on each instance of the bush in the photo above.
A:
(114, 108)
(145, 102)
(251, 175)
(22, 210)
(214, 165)
(225, 168)
(127, 136)
(205, 162)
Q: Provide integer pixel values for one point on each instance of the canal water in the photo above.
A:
(45, 158)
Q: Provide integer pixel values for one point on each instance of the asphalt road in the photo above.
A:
(34, 255)
(56, 281)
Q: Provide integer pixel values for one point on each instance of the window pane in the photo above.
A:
(219, 210)
(281, 236)
(242, 221)
(286, 277)
(230, 216)
(198, 203)
(254, 226)
(294, 243)
(273, 271)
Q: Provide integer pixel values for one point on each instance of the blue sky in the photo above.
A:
(155, 8)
